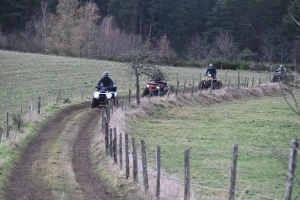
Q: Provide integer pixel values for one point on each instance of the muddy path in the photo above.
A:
(57, 164)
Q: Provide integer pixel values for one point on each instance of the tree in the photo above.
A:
(141, 61)
(62, 35)
(225, 46)
(198, 48)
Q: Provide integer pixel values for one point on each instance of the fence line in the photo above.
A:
(114, 141)
(186, 195)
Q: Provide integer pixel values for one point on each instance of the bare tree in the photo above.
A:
(226, 46)
(141, 61)
(165, 50)
(197, 48)
(268, 47)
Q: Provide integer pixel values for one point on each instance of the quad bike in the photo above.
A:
(280, 77)
(210, 82)
(102, 95)
(156, 87)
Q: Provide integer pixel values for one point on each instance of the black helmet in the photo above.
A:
(105, 74)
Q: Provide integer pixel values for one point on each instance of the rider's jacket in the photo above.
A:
(105, 81)
(211, 71)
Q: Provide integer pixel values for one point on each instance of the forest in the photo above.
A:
(264, 31)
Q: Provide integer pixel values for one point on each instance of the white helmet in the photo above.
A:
(105, 74)
(280, 66)
(211, 65)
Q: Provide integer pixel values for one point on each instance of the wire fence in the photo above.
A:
(173, 169)
(173, 177)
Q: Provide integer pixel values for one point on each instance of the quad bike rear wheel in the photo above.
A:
(146, 92)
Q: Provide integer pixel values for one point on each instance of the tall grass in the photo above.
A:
(258, 119)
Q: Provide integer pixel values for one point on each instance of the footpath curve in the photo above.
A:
(56, 164)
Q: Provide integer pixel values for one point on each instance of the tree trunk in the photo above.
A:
(137, 84)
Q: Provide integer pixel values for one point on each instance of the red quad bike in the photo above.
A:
(156, 88)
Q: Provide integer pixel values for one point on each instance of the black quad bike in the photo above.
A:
(279, 77)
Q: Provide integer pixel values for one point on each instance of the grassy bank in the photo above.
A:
(263, 128)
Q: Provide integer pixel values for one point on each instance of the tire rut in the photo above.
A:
(28, 180)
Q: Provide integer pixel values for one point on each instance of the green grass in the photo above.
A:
(263, 128)
(25, 77)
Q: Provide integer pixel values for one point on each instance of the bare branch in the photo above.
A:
(294, 19)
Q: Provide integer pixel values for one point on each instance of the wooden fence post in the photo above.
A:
(129, 96)
(1, 134)
(229, 83)
(135, 163)
(247, 82)
(126, 156)
(177, 88)
(31, 109)
(184, 87)
(291, 169)
(122, 104)
(58, 96)
(233, 171)
(7, 125)
(20, 118)
(193, 87)
(103, 121)
(259, 80)
(82, 92)
(199, 85)
(252, 82)
(106, 138)
(144, 163)
(115, 146)
(120, 151)
(238, 79)
(187, 175)
(157, 171)
(110, 142)
(39, 105)
(169, 90)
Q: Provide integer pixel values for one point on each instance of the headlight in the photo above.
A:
(157, 87)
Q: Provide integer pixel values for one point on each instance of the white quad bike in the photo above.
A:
(102, 95)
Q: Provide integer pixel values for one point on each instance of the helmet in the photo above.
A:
(105, 74)
(280, 66)
(211, 65)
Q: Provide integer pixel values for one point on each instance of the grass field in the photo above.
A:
(25, 77)
(262, 127)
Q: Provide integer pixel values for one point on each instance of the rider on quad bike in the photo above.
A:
(210, 81)
(156, 86)
(105, 80)
(212, 71)
(105, 90)
(280, 75)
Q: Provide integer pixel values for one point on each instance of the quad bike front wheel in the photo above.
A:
(93, 103)
(146, 92)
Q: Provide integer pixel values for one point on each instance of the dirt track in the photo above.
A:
(59, 157)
